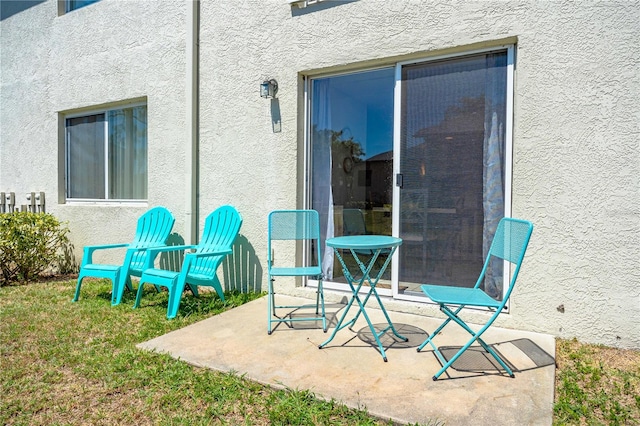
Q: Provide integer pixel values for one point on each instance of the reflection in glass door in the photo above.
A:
(351, 158)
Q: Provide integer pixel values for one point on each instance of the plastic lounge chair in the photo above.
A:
(294, 226)
(199, 267)
(509, 243)
(152, 230)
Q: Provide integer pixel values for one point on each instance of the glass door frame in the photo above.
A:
(394, 292)
(307, 162)
(397, 102)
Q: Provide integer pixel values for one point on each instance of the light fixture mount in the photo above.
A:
(269, 89)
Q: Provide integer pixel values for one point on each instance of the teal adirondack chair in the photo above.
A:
(199, 267)
(152, 230)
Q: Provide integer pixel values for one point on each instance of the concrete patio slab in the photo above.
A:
(351, 370)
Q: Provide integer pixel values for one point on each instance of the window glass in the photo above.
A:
(77, 4)
(128, 153)
(107, 155)
(352, 143)
(85, 157)
(452, 163)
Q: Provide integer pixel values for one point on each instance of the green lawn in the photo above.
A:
(76, 363)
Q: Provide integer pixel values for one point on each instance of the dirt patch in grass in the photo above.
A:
(596, 384)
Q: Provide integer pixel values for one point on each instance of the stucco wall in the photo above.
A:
(576, 154)
(103, 54)
(576, 151)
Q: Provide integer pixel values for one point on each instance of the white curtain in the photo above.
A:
(322, 165)
(128, 153)
(493, 166)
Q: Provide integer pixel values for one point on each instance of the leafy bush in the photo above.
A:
(30, 244)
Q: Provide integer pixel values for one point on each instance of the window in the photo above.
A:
(70, 5)
(106, 155)
(419, 151)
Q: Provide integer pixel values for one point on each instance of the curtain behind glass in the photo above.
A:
(493, 164)
(322, 195)
(128, 153)
(85, 157)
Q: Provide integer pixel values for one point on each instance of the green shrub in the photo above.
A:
(30, 244)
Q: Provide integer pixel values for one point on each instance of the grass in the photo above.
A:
(596, 385)
(76, 363)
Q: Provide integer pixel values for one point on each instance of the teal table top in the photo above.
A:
(371, 242)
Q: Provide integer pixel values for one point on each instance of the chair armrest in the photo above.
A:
(87, 258)
(153, 252)
(91, 249)
(211, 253)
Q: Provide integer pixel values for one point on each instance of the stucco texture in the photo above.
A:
(575, 137)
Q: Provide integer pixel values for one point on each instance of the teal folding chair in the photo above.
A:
(199, 267)
(509, 244)
(353, 223)
(294, 227)
(152, 230)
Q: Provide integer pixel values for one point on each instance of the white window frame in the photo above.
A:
(106, 200)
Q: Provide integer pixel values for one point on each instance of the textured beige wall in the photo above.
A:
(105, 53)
(576, 151)
(576, 154)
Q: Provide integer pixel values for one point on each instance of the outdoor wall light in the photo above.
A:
(268, 89)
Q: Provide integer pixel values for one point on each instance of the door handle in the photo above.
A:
(399, 180)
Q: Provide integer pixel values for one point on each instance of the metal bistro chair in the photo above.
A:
(509, 244)
(354, 224)
(294, 226)
(153, 229)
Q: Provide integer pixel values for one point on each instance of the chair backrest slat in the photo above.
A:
(152, 230)
(511, 239)
(294, 225)
(221, 228)
(509, 243)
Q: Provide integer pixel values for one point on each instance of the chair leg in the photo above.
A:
(272, 317)
(175, 295)
(78, 285)
(475, 336)
(139, 294)
(433, 335)
(121, 281)
(320, 297)
(270, 305)
(172, 303)
(116, 292)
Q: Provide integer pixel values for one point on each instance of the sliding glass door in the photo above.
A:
(351, 161)
(451, 168)
(420, 151)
